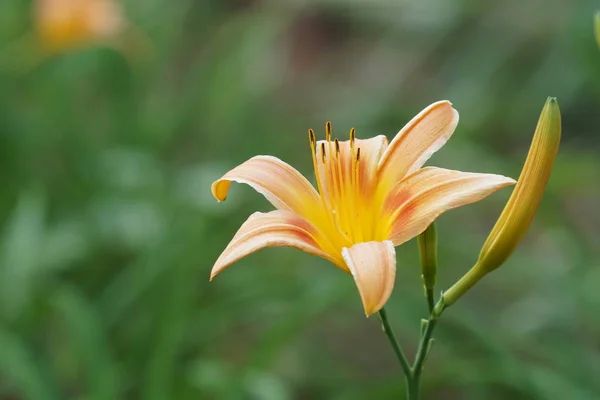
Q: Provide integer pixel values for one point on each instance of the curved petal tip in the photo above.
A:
(219, 189)
(278, 181)
(373, 266)
(422, 136)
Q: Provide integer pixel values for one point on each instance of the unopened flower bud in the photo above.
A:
(522, 205)
(429, 262)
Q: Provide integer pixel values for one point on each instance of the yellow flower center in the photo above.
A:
(350, 210)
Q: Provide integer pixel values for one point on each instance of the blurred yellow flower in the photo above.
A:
(64, 24)
(597, 27)
(371, 197)
(523, 203)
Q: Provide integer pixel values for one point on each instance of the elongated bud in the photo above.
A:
(597, 27)
(527, 194)
(522, 205)
(429, 263)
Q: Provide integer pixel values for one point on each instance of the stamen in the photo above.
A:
(357, 168)
(313, 143)
(357, 196)
(322, 196)
(344, 188)
(355, 172)
(355, 162)
(331, 166)
(312, 138)
(352, 156)
(333, 186)
(338, 167)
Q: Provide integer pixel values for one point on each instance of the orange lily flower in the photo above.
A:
(63, 24)
(370, 197)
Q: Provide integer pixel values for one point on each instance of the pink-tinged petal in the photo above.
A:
(371, 151)
(278, 181)
(422, 196)
(279, 228)
(373, 266)
(417, 141)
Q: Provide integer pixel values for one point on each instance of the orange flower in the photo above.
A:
(64, 24)
(371, 197)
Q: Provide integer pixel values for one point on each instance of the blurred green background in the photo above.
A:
(109, 230)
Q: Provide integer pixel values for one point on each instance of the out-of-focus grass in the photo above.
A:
(109, 231)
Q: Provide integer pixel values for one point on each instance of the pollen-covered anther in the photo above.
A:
(355, 168)
(355, 154)
(312, 138)
(328, 131)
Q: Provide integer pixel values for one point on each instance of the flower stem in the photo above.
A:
(430, 299)
(412, 388)
(413, 373)
(424, 346)
(387, 328)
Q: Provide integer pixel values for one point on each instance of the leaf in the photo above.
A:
(19, 255)
(18, 365)
(88, 338)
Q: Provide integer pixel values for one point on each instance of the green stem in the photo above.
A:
(412, 388)
(387, 328)
(465, 283)
(413, 381)
(424, 344)
(413, 374)
(430, 299)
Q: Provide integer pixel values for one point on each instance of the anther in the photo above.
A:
(328, 131)
(323, 152)
(337, 147)
(311, 137)
(358, 154)
(352, 135)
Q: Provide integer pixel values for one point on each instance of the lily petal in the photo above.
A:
(426, 193)
(279, 182)
(373, 266)
(279, 228)
(371, 151)
(417, 141)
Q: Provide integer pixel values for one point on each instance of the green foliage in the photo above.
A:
(109, 231)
